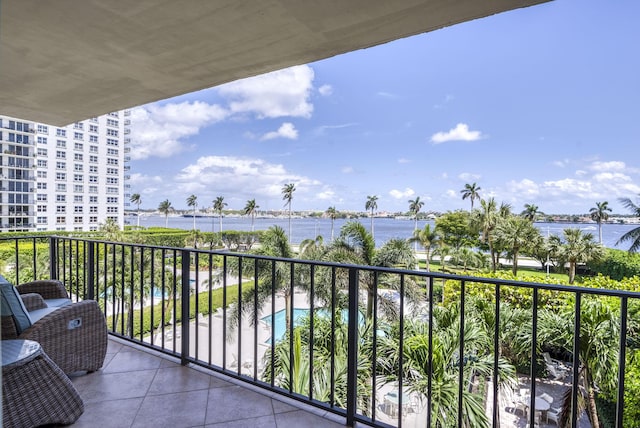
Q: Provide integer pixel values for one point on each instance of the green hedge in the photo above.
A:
(617, 264)
(203, 308)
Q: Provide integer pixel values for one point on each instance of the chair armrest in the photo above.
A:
(33, 301)
(8, 327)
(47, 288)
(74, 336)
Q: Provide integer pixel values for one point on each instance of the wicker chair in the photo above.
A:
(73, 335)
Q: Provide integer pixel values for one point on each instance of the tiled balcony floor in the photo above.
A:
(140, 388)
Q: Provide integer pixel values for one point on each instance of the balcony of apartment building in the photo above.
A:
(204, 337)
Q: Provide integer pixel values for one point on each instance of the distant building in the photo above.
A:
(68, 178)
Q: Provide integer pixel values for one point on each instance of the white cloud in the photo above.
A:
(325, 90)
(460, 133)
(326, 195)
(524, 188)
(608, 166)
(287, 130)
(581, 173)
(404, 160)
(560, 163)
(240, 178)
(398, 194)
(157, 130)
(276, 94)
(452, 194)
(347, 170)
(467, 176)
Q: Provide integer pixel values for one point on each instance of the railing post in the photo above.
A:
(184, 296)
(53, 257)
(352, 350)
(90, 269)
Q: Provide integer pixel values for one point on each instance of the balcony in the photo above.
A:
(391, 347)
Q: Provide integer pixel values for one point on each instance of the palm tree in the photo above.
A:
(415, 205)
(165, 208)
(634, 234)
(332, 213)
(135, 199)
(578, 247)
(111, 230)
(371, 206)
(597, 351)
(250, 210)
(530, 212)
(427, 238)
(599, 214)
(488, 219)
(515, 234)
(218, 206)
(287, 195)
(192, 201)
(471, 191)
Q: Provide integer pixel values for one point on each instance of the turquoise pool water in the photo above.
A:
(280, 327)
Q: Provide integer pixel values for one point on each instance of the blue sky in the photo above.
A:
(537, 105)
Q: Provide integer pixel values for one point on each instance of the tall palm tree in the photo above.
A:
(577, 247)
(165, 208)
(371, 206)
(597, 351)
(332, 213)
(515, 233)
(428, 238)
(287, 195)
(634, 234)
(192, 201)
(530, 212)
(250, 210)
(599, 214)
(488, 219)
(415, 205)
(471, 191)
(218, 206)
(136, 199)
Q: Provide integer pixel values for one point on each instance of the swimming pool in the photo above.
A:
(280, 328)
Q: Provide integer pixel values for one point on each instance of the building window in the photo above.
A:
(61, 176)
(61, 132)
(42, 140)
(93, 179)
(78, 125)
(93, 169)
(78, 167)
(42, 208)
(112, 132)
(41, 220)
(42, 197)
(61, 154)
(61, 165)
(77, 209)
(112, 209)
(93, 200)
(61, 220)
(93, 219)
(93, 189)
(61, 198)
(78, 136)
(112, 152)
(78, 157)
(61, 209)
(112, 142)
(93, 149)
(93, 138)
(61, 187)
(112, 190)
(42, 186)
(112, 171)
(112, 199)
(78, 146)
(42, 163)
(78, 177)
(112, 180)
(112, 161)
(112, 122)
(61, 144)
(42, 174)
(42, 152)
(93, 209)
(93, 128)
(77, 198)
(93, 159)
(44, 129)
(78, 188)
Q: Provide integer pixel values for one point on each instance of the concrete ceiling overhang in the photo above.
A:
(66, 60)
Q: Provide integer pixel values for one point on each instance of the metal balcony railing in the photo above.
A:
(334, 335)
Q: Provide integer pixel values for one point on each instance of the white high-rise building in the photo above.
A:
(63, 178)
